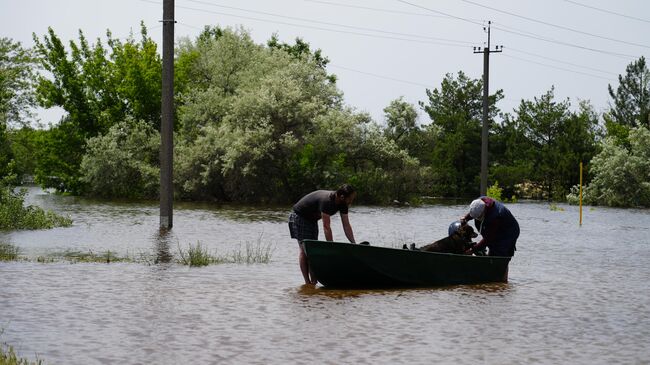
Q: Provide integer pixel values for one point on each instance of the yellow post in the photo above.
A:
(580, 192)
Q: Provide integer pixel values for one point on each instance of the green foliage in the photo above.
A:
(8, 356)
(620, 175)
(632, 96)
(456, 111)
(14, 215)
(494, 191)
(97, 90)
(8, 252)
(198, 255)
(123, 163)
(543, 146)
(17, 70)
(242, 123)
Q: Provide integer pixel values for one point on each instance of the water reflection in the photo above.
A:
(479, 289)
(163, 240)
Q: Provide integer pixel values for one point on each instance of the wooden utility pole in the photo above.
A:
(167, 121)
(486, 82)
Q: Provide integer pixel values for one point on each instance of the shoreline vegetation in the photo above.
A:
(14, 215)
(8, 356)
(267, 122)
(194, 256)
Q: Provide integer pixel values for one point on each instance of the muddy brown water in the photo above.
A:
(577, 295)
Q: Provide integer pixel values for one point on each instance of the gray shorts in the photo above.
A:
(301, 228)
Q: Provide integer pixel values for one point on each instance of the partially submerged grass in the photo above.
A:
(199, 255)
(195, 255)
(90, 256)
(9, 252)
(254, 254)
(8, 356)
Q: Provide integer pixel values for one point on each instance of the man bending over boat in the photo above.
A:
(319, 204)
(496, 224)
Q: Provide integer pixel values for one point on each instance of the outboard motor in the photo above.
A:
(454, 227)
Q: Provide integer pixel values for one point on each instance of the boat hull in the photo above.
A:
(345, 265)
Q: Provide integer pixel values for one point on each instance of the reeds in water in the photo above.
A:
(9, 252)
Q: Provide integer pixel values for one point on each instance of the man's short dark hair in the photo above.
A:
(345, 190)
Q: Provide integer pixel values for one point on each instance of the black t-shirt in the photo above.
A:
(320, 201)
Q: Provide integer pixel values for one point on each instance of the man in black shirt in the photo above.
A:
(319, 204)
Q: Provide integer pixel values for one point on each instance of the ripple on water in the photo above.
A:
(576, 294)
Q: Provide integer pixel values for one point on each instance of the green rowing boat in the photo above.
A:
(345, 265)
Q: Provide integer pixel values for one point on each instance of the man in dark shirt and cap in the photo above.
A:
(496, 224)
(317, 205)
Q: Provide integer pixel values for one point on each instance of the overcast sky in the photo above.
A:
(381, 50)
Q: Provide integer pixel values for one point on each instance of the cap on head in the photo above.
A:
(476, 208)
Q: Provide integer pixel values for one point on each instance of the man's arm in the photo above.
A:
(347, 228)
(326, 226)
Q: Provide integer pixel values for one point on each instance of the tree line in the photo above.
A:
(267, 123)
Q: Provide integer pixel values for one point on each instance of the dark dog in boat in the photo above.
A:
(457, 243)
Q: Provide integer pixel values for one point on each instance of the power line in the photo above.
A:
(393, 38)
(328, 23)
(559, 68)
(550, 40)
(442, 13)
(608, 11)
(314, 27)
(560, 61)
(390, 11)
(555, 25)
(527, 34)
(379, 76)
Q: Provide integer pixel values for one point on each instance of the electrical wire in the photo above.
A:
(560, 61)
(379, 76)
(442, 13)
(556, 25)
(331, 24)
(529, 35)
(404, 39)
(608, 11)
(313, 27)
(389, 11)
(558, 68)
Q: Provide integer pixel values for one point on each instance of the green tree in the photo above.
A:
(401, 119)
(244, 120)
(544, 144)
(97, 90)
(632, 96)
(456, 112)
(123, 163)
(620, 175)
(17, 67)
(17, 70)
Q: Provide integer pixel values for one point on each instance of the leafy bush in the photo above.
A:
(621, 176)
(14, 215)
(123, 162)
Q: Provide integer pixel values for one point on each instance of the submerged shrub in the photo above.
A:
(123, 163)
(14, 215)
(8, 252)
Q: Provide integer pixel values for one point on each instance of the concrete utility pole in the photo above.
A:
(167, 122)
(486, 82)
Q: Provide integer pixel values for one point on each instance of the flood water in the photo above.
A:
(577, 295)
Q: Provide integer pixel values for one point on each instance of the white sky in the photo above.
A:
(381, 50)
